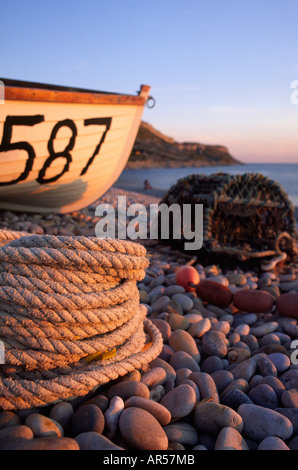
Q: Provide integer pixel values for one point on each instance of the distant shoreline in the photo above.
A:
(139, 165)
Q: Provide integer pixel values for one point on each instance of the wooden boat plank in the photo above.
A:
(29, 91)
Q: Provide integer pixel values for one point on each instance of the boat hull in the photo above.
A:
(60, 150)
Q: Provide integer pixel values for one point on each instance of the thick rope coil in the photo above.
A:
(63, 302)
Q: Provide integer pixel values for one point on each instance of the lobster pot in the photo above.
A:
(245, 215)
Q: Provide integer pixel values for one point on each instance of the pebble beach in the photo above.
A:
(227, 375)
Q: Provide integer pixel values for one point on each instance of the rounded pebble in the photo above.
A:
(155, 376)
(197, 329)
(49, 443)
(8, 418)
(214, 343)
(12, 436)
(211, 417)
(160, 412)
(94, 441)
(88, 418)
(62, 413)
(181, 432)
(222, 378)
(206, 385)
(263, 395)
(180, 401)
(141, 430)
(181, 340)
(128, 389)
(260, 422)
(230, 439)
(289, 398)
(181, 359)
(272, 443)
(185, 302)
(234, 398)
(287, 303)
(111, 416)
(42, 426)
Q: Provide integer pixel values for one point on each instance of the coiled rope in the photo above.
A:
(64, 302)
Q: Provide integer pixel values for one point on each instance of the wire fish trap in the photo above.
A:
(247, 216)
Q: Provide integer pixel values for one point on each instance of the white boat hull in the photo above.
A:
(68, 154)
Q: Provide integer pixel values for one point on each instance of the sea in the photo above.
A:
(286, 174)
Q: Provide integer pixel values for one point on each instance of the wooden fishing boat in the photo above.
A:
(62, 148)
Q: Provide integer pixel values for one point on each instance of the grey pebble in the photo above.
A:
(251, 341)
(111, 416)
(88, 418)
(206, 385)
(260, 422)
(256, 380)
(292, 415)
(211, 417)
(159, 304)
(266, 366)
(234, 398)
(211, 364)
(163, 327)
(245, 370)
(183, 300)
(175, 289)
(263, 395)
(289, 398)
(238, 384)
(155, 376)
(94, 441)
(160, 412)
(62, 413)
(182, 374)
(214, 343)
(261, 330)
(181, 359)
(273, 443)
(182, 432)
(274, 383)
(180, 401)
(12, 436)
(242, 329)
(290, 379)
(222, 378)
(49, 443)
(281, 361)
(194, 386)
(128, 389)
(170, 371)
(9, 418)
(199, 328)
(42, 426)
(181, 340)
(230, 439)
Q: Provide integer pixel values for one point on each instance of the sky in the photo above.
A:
(220, 70)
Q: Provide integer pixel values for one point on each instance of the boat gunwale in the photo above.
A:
(18, 90)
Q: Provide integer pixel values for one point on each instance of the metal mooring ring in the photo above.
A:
(152, 101)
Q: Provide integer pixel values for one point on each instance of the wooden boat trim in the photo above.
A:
(27, 91)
